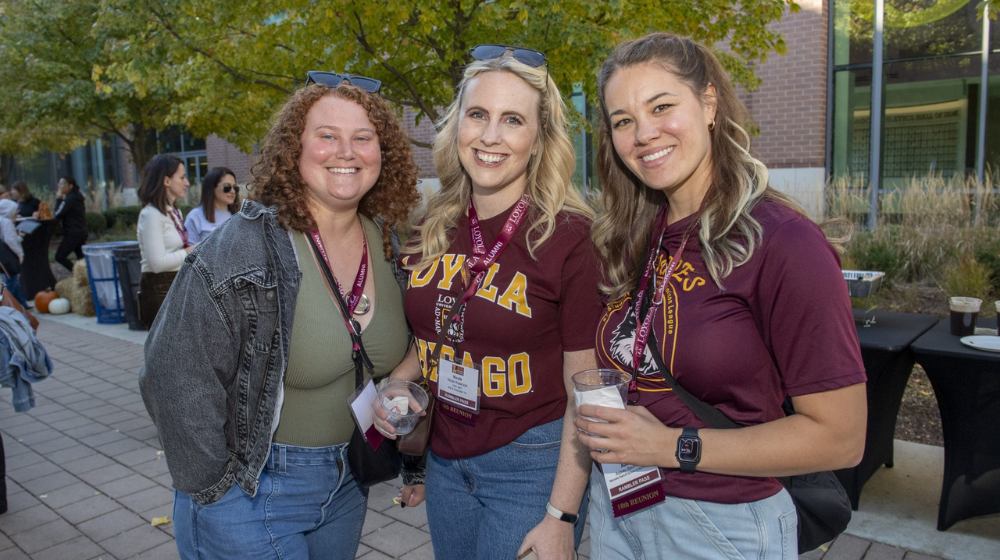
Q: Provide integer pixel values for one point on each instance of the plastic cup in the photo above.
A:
(602, 387)
(964, 312)
(600, 383)
(401, 402)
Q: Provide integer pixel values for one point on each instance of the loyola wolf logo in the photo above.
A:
(623, 342)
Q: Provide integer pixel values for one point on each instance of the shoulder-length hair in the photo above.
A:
(71, 182)
(208, 185)
(23, 192)
(550, 169)
(152, 189)
(728, 233)
(277, 182)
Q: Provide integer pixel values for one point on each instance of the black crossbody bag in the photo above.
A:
(369, 466)
(821, 503)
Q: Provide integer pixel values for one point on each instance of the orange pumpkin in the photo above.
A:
(42, 300)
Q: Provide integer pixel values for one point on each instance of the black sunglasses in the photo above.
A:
(227, 188)
(333, 79)
(529, 57)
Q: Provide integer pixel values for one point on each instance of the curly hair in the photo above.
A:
(277, 182)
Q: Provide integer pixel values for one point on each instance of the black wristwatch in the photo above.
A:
(688, 450)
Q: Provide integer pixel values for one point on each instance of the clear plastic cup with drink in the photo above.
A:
(601, 387)
(400, 403)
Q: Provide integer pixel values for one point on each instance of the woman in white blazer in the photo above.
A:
(163, 239)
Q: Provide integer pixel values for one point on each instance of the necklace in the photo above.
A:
(357, 301)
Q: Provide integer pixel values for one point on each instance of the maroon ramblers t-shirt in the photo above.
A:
(523, 317)
(783, 325)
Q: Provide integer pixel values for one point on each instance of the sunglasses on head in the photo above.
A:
(333, 79)
(529, 57)
(227, 188)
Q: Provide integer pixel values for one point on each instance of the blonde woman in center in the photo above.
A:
(507, 235)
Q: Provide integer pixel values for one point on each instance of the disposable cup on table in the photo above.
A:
(401, 402)
(964, 312)
(602, 387)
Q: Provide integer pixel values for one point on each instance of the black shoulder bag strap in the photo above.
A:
(360, 357)
(708, 413)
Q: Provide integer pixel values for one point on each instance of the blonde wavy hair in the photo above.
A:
(728, 233)
(550, 169)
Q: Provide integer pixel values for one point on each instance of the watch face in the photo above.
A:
(688, 449)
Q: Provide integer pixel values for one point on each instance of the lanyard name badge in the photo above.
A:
(360, 402)
(631, 488)
(458, 385)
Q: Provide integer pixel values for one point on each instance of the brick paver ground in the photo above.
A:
(85, 475)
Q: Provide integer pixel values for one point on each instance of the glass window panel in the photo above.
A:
(930, 118)
(852, 23)
(193, 144)
(170, 140)
(851, 125)
(202, 168)
(915, 28)
(993, 120)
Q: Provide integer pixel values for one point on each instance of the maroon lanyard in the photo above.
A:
(481, 260)
(175, 217)
(643, 330)
(359, 280)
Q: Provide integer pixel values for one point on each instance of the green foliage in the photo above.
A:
(53, 93)
(185, 209)
(969, 278)
(96, 224)
(230, 64)
(122, 217)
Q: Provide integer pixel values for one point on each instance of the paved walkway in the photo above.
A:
(85, 476)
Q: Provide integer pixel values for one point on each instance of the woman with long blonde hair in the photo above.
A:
(503, 300)
(720, 286)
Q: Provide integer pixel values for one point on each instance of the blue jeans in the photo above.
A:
(678, 528)
(13, 284)
(308, 506)
(481, 508)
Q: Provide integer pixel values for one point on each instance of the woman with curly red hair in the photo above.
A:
(249, 365)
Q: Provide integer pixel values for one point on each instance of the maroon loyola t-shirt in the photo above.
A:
(524, 316)
(783, 325)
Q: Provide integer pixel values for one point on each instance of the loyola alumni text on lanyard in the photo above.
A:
(631, 488)
(360, 401)
(458, 385)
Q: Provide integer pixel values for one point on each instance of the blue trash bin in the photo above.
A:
(104, 283)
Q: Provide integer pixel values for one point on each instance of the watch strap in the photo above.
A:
(561, 515)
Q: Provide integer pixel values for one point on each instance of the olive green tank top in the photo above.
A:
(320, 374)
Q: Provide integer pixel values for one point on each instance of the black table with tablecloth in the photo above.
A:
(36, 273)
(966, 383)
(885, 349)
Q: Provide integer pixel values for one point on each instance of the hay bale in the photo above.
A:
(65, 288)
(82, 303)
(80, 277)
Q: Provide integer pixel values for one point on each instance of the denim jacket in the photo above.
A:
(216, 355)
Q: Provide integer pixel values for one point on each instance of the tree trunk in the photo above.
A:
(6, 167)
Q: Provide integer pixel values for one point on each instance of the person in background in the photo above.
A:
(27, 204)
(743, 303)
(71, 210)
(250, 366)
(11, 254)
(8, 207)
(219, 192)
(163, 240)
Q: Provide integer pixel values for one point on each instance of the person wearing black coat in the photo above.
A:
(71, 211)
